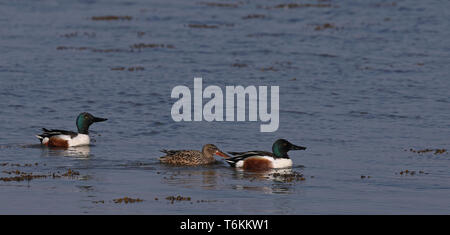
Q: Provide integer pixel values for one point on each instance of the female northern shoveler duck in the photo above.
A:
(261, 160)
(191, 157)
(62, 138)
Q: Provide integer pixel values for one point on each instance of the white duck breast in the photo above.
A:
(282, 162)
(279, 162)
(79, 140)
(276, 162)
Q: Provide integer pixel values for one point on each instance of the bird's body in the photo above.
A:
(186, 157)
(257, 160)
(63, 138)
(190, 157)
(262, 160)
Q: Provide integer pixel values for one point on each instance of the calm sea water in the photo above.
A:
(361, 84)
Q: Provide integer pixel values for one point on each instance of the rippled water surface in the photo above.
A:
(363, 85)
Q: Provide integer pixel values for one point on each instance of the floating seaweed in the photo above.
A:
(111, 17)
(127, 200)
(17, 172)
(24, 165)
(22, 176)
(203, 26)
(289, 177)
(207, 201)
(73, 48)
(91, 49)
(177, 198)
(427, 150)
(71, 173)
(19, 165)
(408, 172)
(108, 50)
(324, 26)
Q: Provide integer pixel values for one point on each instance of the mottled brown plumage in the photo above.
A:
(191, 157)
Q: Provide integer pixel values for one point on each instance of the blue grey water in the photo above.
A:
(361, 83)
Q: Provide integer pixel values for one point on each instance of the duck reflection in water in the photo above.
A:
(193, 177)
(277, 181)
(268, 181)
(277, 175)
(77, 152)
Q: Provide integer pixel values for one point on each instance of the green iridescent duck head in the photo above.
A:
(281, 147)
(84, 120)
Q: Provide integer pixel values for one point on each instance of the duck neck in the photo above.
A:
(83, 130)
(279, 153)
(83, 127)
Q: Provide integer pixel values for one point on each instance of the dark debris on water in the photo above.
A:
(428, 150)
(172, 199)
(28, 176)
(179, 198)
(112, 50)
(203, 26)
(409, 172)
(110, 17)
(127, 200)
(325, 26)
(61, 48)
(289, 177)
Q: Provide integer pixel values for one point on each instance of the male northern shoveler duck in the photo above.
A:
(191, 157)
(261, 160)
(62, 138)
